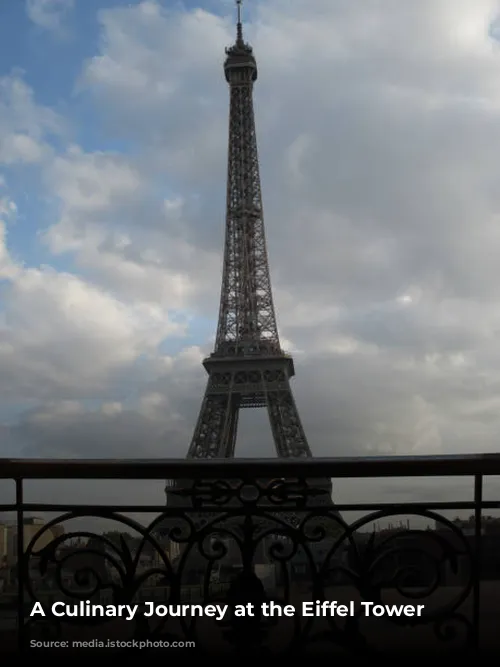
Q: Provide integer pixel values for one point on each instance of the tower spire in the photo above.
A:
(239, 27)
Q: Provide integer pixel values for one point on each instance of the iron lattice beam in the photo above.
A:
(248, 368)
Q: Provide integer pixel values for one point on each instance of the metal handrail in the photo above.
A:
(351, 467)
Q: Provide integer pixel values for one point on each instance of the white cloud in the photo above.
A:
(24, 125)
(62, 336)
(133, 241)
(20, 148)
(48, 14)
(91, 182)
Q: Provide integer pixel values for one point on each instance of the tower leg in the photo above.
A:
(289, 436)
(215, 432)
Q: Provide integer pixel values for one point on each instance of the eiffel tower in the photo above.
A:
(248, 368)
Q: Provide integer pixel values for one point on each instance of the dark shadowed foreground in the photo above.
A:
(244, 532)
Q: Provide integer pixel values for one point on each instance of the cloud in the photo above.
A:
(370, 184)
(63, 336)
(378, 134)
(114, 224)
(24, 125)
(48, 14)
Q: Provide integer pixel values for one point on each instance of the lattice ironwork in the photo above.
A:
(248, 368)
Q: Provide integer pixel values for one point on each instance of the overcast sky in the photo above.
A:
(379, 132)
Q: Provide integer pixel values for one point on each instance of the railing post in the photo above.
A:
(20, 562)
(478, 526)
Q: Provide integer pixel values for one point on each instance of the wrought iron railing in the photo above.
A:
(223, 529)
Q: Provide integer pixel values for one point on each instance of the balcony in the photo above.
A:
(227, 539)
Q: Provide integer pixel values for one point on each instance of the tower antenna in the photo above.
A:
(239, 27)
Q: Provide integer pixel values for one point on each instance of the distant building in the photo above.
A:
(489, 525)
(31, 527)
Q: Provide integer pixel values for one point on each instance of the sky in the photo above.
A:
(379, 137)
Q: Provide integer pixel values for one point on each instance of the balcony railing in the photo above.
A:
(228, 537)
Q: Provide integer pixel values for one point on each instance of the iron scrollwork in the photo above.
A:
(233, 531)
(292, 493)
